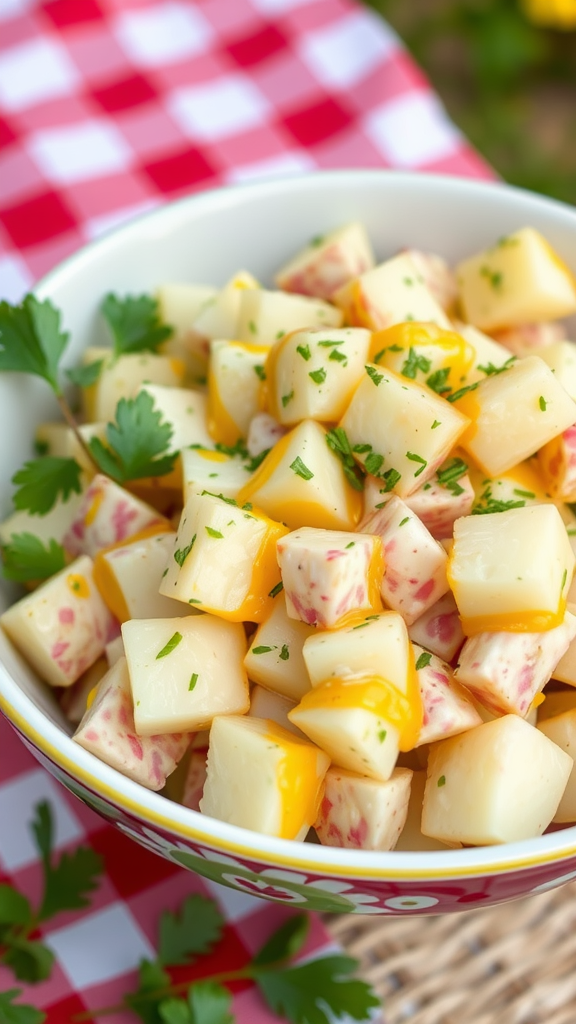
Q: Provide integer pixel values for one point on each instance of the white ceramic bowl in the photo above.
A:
(206, 238)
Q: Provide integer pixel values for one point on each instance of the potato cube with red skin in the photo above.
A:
(565, 670)
(505, 670)
(439, 278)
(439, 630)
(436, 505)
(74, 699)
(531, 338)
(447, 707)
(195, 779)
(262, 777)
(376, 645)
(390, 293)
(267, 704)
(560, 356)
(561, 729)
(62, 627)
(129, 575)
(263, 433)
(327, 574)
(557, 461)
(107, 731)
(114, 650)
(415, 564)
(497, 783)
(53, 526)
(328, 262)
(107, 515)
(399, 430)
(358, 813)
(274, 658)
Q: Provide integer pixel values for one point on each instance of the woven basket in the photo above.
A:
(514, 964)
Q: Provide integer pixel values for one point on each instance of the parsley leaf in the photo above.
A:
(14, 907)
(25, 558)
(85, 376)
(196, 929)
(424, 660)
(337, 441)
(417, 458)
(42, 482)
(318, 376)
(452, 472)
(172, 644)
(181, 554)
(300, 469)
(318, 991)
(285, 942)
(210, 1003)
(152, 979)
(31, 961)
(437, 381)
(491, 504)
(31, 340)
(69, 880)
(134, 441)
(375, 377)
(413, 364)
(490, 369)
(134, 323)
(462, 391)
(18, 1013)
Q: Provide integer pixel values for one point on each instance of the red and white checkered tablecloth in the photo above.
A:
(109, 108)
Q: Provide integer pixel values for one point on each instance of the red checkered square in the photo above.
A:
(7, 135)
(97, 54)
(314, 124)
(91, 199)
(72, 12)
(42, 257)
(37, 219)
(125, 93)
(150, 131)
(256, 48)
(64, 1009)
(177, 171)
(130, 867)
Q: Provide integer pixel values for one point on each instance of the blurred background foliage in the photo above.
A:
(509, 83)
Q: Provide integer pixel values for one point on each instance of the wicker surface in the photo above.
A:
(514, 964)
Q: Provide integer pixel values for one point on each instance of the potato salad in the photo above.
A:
(313, 544)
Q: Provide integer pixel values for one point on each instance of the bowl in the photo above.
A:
(206, 238)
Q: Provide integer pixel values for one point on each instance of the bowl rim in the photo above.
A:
(185, 824)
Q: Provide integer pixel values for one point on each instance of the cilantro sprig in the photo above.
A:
(137, 442)
(43, 481)
(337, 441)
(68, 882)
(26, 558)
(134, 324)
(315, 992)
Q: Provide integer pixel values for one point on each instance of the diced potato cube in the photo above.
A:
(358, 813)
(107, 731)
(301, 482)
(275, 656)
(122, 377)
(519, 279)
(412, 837)
(439, 279)
(107, 515)
(265, 316)
(498, 783)
(361, 722)
(513, 414)
(522, 485)
(505, 671)
(438, 505)
(565, 669)
(328, 262)
(389, 294)
(400, 431)
(439, 629)
(52, 526)
(415, 564)
(488, 353)
(379, 645)
(447, 707)
(263, 433)
(561, 729)
(531, 338)
(218, 317)
(511, 570)
(179, 305)
(202, 677)
(224, 559)
(273, 706)
(63, 626)
(234, 388)
(312, 374)
(424, 352)
(184, 410)
(329, 574)
(114, 650)
(75, 699)
(560, 356)
(262, 777)
(206, 470)
(557, 460)
(60, 441)
(195, 779)
(128, 577)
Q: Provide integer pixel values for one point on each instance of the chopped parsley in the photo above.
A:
(287, 398)
(262, 649)
(304, 351)
(193, 680)
(490, 370)
(173, 642)
(437, 381)
(542, 403)
(451, 474)
(284, 653)
(441, 781)
(417, 458)
(391, 477)
(437, 423)
(318, 376)
(373, 463)
(260, 371)
(494, 277)
(181, 554)
(375, 377)
(337, 441)
(491, 504)
(214, 533)
(338, 357)
(413, 364)
(405, 520)
(523, 494)
(276, 590)
(423, 660)
(462, 391)
(300, 469)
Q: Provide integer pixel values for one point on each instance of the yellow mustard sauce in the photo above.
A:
(457, 354)
(299, 781)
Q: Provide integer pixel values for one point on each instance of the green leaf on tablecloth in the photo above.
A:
(209, 1004)
(151, 978)
(68, 881)
(14, 907)
(175, 1011)
(317, 992)
(285, 942)
(196, 929)
(30, 960)
(18, 1013)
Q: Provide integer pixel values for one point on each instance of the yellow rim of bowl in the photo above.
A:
(152, 817)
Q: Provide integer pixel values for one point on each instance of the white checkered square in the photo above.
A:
(347, 50)
(412, 130)
(97, 226)
(163, 34)
(35, 72)
(222, 108)
(100, 947)
(17, 800)
(279, 6)
(284, 166)
(14, 8)
(79, 152)
(15, 280)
